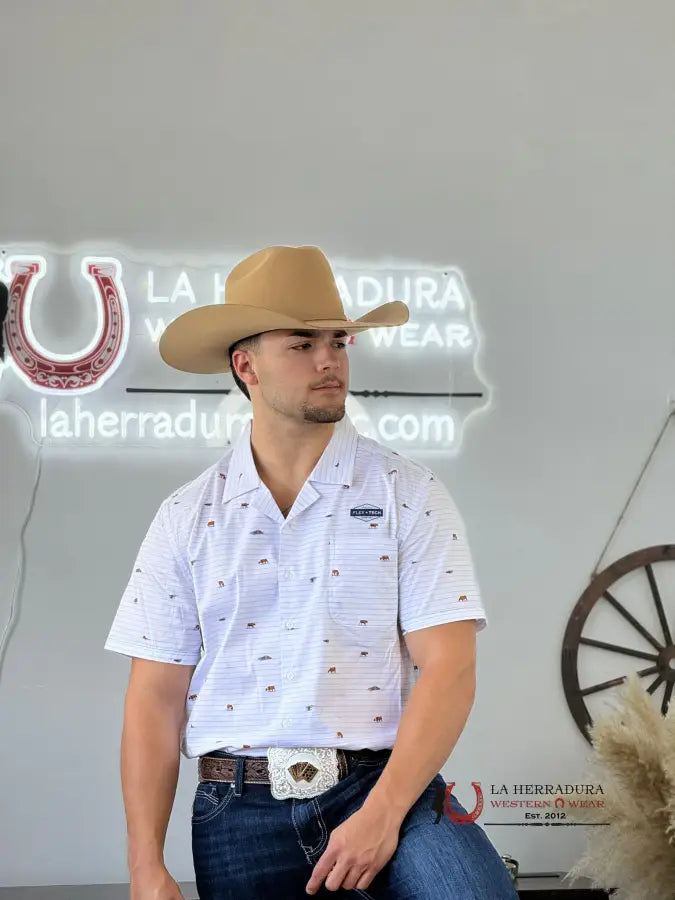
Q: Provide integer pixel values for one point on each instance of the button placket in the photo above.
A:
(286, 574)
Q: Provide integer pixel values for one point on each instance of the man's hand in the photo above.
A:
(357, 849)
(154, 883)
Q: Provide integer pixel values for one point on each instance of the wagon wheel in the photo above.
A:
(660, 662)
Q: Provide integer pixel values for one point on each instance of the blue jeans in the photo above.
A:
(247, 845)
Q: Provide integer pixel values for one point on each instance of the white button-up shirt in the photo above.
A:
(295, 625)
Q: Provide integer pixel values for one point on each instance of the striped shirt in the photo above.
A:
(295, 624)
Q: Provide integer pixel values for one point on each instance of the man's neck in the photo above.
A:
(285, 456)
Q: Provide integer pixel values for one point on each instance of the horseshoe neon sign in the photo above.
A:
(79, 372)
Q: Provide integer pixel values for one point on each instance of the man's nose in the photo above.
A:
(329, 356)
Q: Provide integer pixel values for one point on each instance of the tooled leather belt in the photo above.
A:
(218, 768)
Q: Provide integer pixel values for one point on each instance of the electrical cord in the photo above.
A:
(18, 581)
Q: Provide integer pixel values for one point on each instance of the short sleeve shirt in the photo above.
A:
(295, 625)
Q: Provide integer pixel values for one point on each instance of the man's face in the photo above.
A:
(292, 366)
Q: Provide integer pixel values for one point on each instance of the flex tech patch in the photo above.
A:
(366, 512)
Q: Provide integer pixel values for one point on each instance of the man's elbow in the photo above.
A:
(447, 675)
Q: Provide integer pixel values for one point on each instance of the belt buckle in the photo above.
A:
(301, 771)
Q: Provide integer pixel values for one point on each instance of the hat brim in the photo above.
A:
(198, 340)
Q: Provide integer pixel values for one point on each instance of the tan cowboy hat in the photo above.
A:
(278, 287)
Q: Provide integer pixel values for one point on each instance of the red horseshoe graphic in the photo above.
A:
(463, 818)
(67, 372)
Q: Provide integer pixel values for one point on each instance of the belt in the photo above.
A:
(290, 771)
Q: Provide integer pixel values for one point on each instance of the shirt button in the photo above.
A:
(288, 624)
(286, 722)
(290, 675)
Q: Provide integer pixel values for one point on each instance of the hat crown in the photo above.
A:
(295, 281)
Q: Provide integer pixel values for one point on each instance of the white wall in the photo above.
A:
(528, 142)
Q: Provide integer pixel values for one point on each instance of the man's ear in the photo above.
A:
(247, 365)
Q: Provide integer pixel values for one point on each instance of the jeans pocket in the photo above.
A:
(210, 800)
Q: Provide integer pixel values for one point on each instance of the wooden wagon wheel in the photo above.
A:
(661, 662)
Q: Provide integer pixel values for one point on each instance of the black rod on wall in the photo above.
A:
(132, 390)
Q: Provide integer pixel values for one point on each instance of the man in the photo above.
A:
(301, 617)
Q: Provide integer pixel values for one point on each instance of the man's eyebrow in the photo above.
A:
(314, 333)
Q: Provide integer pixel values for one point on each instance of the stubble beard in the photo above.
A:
(310, 412)
(322, 414)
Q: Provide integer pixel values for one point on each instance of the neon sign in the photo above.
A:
(423, 379)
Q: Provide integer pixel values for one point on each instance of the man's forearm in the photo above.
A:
(150, 762)
(431, 723)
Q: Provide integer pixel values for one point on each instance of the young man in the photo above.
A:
(301, 617)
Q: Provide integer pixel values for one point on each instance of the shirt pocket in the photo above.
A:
(216, 590)
(363, 586)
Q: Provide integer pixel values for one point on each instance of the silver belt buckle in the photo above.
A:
(301, 771)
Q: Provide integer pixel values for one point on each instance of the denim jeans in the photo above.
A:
(247, 845)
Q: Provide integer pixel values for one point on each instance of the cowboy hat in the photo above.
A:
(278, 287)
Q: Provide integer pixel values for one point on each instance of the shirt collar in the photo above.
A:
(335, 465)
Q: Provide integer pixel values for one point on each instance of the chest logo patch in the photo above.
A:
(366, 512)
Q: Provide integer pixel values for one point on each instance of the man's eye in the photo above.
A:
(341, 344)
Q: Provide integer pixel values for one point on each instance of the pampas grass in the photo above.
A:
(633, 760)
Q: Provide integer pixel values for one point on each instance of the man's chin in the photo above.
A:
(320, 414)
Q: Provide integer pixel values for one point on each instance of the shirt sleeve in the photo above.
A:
(157, 617)
(437, 582)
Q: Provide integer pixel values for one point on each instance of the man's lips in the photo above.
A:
(328, 387)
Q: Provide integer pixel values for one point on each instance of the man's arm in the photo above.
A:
(154, 712)
(434, 716)
(432, 721)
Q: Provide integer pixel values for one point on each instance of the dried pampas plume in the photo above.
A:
(633, 759)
